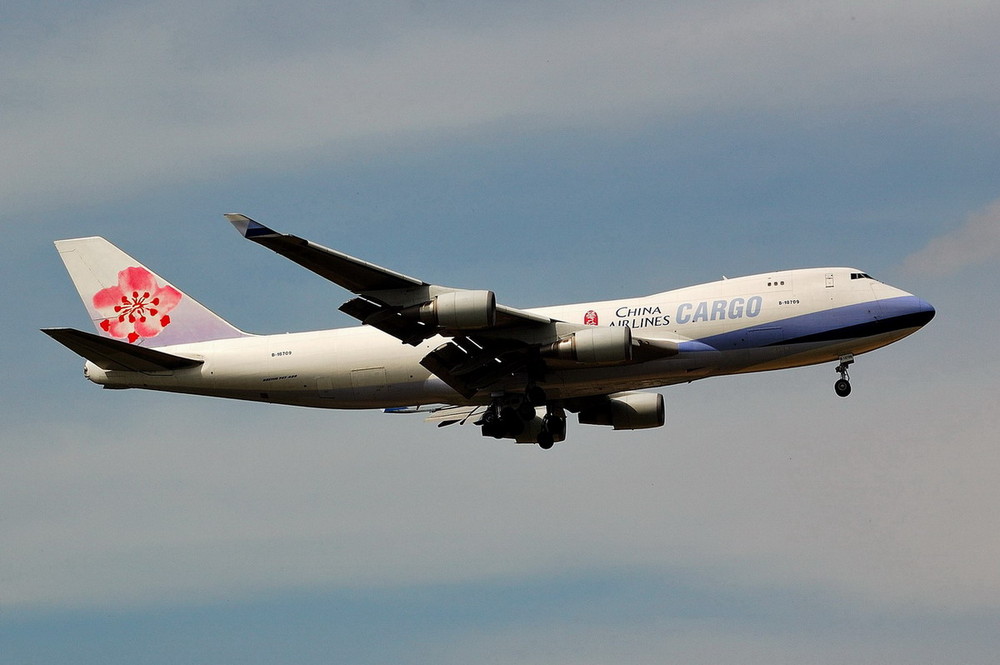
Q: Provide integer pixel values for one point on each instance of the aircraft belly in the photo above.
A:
(565, 384)
(814, 353)
(347, 368)
(148, 380)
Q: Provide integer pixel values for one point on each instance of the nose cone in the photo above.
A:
(905, 312)
(923, 311)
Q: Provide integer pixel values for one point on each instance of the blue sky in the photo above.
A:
(553, 152)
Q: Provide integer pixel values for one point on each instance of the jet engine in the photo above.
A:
(593, 345)
(626, 411)
(458, 310)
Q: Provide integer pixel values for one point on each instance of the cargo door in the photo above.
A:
(369, 384)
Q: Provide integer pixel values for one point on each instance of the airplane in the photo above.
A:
(458, 356)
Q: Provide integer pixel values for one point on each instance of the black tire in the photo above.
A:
(555, 425)
(512, 423)
(843, 387)
(534, 395)
(545, 440)
(491, 424)
(493, 429)
(526, 411)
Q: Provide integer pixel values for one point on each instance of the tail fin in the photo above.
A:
(127, 301)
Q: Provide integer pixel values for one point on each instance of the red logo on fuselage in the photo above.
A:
(590, 318)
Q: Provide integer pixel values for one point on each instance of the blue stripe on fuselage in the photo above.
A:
(840, 323)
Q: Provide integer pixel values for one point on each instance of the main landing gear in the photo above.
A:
(514, 416)
(843, 384)
(553, 428)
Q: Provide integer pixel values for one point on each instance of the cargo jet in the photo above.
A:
(459, 356)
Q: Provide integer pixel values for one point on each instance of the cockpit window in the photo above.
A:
(861, 275)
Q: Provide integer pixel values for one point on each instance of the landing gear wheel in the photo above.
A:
(843, 385)
(554, 426)
(545, 440)
(492, 425)
(534, 395)
(510, 421)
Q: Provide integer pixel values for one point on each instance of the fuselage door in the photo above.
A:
(368, 384)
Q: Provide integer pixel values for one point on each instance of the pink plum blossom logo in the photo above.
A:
(590, 318)
(137, 306)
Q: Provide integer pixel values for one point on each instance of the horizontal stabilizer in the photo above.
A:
(111, 354)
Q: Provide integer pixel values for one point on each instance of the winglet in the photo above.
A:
(249, 228)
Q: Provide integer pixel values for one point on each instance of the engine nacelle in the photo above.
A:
(460, 310)
(627, 411)
(594, 345)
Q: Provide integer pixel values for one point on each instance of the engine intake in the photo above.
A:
(593, 345)
(626, 411)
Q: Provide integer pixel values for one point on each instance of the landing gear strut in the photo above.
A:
(843, 384)
(500, 421)
(514, 416)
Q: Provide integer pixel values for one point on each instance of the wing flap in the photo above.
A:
(469, 365)
(388, 319)
(450, 415)
(443, 415)
(114, 355)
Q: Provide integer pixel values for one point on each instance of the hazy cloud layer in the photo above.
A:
(620, 149)
(98, 106)
(878, 504)
(975, 242)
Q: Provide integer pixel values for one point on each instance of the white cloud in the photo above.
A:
(761, 480)
(169, 92)
(555, 640)
(975, 242)
(883, 502)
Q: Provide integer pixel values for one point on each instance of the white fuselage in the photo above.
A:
(761, 322)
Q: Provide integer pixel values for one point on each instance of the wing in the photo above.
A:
(488, 342)
(444, 415)
(405, 307)
(351, 273)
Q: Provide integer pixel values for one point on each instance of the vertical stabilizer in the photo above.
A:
(129, 302)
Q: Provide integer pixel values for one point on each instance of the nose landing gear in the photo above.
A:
(843, 384)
